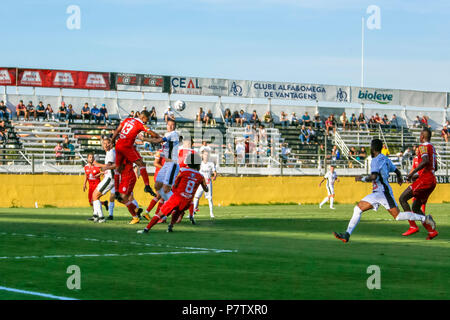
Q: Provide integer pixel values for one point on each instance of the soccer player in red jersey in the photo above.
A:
(126, 186)
(182, 154)
(158, 163)
(424, 184)
(184, 188)
(92, 176)
(126, 134)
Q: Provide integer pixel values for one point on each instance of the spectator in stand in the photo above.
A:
(424, 122)
(153, 116)
(229, 154)
(304, 135)
(312, 134)
(335, 154)
(228, 118)
(378, 119)
(21, 110)
(294, 120)
(344, 120)
(362, 121)
(71, 115)
(200, 117)
(131, 115)
(104, 114)
(284, 120)
(30, 111)
(69, 148)
(352, 152)
(416, 122)
(372, 122)
(352, 121)
(285, 152)
(62, 111)
(385, 150)
(268, 120)
(385, 122)
(49, 112)
(95, 112)
(255, 119)
(244, 117)
(306, 119)
(317, 121)
(86, 113)
(329, 125)
(445, 133)
(394, 122)
(59, 153)
(169, 114)
(240, 151)
(209, 119)
(362, 153)
(3, 131)
(237, 119)
(40, 111)
(137, 114)
(205, 148)
(262, 134)
(4, 114)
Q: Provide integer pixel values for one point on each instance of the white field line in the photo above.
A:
(194, 250)
(45, 295)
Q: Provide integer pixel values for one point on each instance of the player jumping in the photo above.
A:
(423, 185)
(184, 189)
(380, 167)
(331, 177)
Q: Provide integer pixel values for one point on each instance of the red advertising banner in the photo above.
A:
(7, 76)
(63, 79)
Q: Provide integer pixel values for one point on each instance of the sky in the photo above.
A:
(285, 40)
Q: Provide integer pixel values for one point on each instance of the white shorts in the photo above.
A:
(330, 189)
(107, 184)
(168, 173)
(200, 191)
(386, 199)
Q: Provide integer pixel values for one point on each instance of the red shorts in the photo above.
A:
(126, 153)
(177, 203)
(92, 187)
(422, 189)
(127, 183)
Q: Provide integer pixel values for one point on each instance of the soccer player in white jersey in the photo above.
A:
(331, 177)
(208, 171)
(169, 171)
(380, 168)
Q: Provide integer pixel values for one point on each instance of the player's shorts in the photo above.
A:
(106, 185)
(386, 199)
(168, 173)
(176, 203)
(92, 187)
(127, 183)
(422, 190)
(156, 173)
(330, 189)
(200, 191)
(126, 153)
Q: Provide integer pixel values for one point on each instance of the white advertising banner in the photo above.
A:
(423, 99)
(239, 88)
(213, 87)
(185, 85)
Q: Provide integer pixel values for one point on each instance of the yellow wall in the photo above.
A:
(67, 190)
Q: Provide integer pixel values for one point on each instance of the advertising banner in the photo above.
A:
(239, 88)
(139, 82)
(214, 87)
(185, 85)
(63, 79)
(375, 96)
(7, 76)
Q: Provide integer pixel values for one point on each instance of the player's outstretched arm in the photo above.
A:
(423, 164)
(399, 177)
(116, 133)
(370, 178)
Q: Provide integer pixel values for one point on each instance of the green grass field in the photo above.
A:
(275, 252)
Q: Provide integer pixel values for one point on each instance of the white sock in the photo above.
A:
(331, 202)
(98, 211)
(354, 220)
(136, 203)
(324, 201)
(196, 203)
(210, 202)
(410, 216)
(111, 208)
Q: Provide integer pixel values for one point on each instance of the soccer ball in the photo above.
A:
(179, 105)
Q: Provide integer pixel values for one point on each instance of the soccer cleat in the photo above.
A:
(148, 189)
(170, 228)
(429, 220)
(105, 203)
(146, 216)
(332, 208)
(142, 231)
(320, 206)
(192, 220)
(93, 218)
(101, 220)
(432, 234)
(410, 231)
(135, 220)
(110, 218)
(212, 216)
(344, 237)
(196, 210)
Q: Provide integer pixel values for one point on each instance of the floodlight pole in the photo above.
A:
(362, 52)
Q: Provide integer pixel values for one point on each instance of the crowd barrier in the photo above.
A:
(67, 191)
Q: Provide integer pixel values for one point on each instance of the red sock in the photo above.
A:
(174, 219)
(152, 222)
(160, 204)
(152, 204)
(144, 174)
(423, 208)
(131, 208)
(412, 224)
(191, 209)
(427, 226)
(116, 181)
